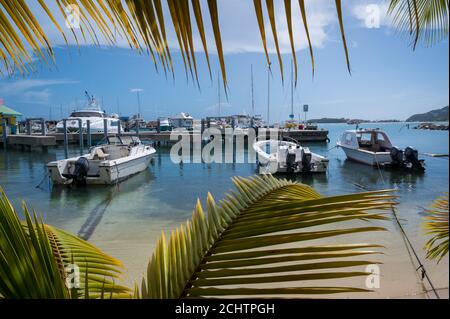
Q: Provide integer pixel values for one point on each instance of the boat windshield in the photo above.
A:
(123, 140)
(86, 114)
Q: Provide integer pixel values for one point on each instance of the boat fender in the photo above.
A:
(81, 171)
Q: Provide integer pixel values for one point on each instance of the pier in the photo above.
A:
(25, 141)
(43, 139)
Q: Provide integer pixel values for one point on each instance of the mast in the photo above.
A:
(139, 103)
(218, 89)
(253, 93)
(292, 92)
(268, 97)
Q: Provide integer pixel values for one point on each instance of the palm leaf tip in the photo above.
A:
(436, 224)
(257, 242)
(422, 21)
(38, 258)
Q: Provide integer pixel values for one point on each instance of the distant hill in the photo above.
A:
(439, 115)
(328, 120)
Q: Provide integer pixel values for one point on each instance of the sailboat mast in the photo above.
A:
(268, 96)
(139, 103)
(292, 91)
(253, 93)
(218, 90)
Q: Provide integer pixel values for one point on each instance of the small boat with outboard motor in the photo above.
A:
(275, 156)
(373, 147)
(118, 159)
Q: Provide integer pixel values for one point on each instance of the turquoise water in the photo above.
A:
(177, 187)
(126, 220)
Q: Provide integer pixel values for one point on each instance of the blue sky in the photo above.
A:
(388, 79)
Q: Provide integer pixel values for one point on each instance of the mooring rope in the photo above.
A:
(423, 274)
(421, 267)
(46, 175)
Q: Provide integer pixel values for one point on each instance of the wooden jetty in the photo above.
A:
(29, 142)
(25, 141)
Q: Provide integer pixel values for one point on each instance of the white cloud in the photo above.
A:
(238, 24)
(372, 13)
(30, 90)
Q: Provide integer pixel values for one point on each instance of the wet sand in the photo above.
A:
(399, 278)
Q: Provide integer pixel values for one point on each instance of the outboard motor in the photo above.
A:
(412, 159)
(306, 160)
(81, 171)
(291, 165)
(396, 156)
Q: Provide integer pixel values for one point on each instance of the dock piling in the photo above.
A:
(119, 128)
(43, 128)
(88, 132)
(66, 140)
(105, 129)
(81, 136)
(5, 134)
(28, 127)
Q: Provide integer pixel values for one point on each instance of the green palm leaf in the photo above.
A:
(436, 224)
(249, 238)
(34, 258)
(421, 20)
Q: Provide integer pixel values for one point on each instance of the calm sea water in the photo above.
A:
(168, 190)
(163, 196)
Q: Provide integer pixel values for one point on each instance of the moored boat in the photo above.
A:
(373, 147)
(106, 164)
(96, 117)
(288, 157)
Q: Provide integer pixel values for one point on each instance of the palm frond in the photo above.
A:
(436, 224)
(248, 239)
(142, 23)
(423, 21)
(305, 24)
(34, 258)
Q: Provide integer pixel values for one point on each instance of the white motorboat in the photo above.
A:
(164, 124)
(182, 121)
(137, 123)
(373, 147)
(106, 164)
(288, 157)
(96, 117)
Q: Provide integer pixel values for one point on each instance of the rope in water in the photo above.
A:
(46, 175)
(421, 267)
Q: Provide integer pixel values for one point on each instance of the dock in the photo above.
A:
(29, 142)
(34, 141)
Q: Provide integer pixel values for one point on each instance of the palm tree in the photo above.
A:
(259, 235)
(143, 24)
(436, 224)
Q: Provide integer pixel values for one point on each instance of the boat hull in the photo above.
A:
(109, 172)
(366, 157)
(271, 161)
